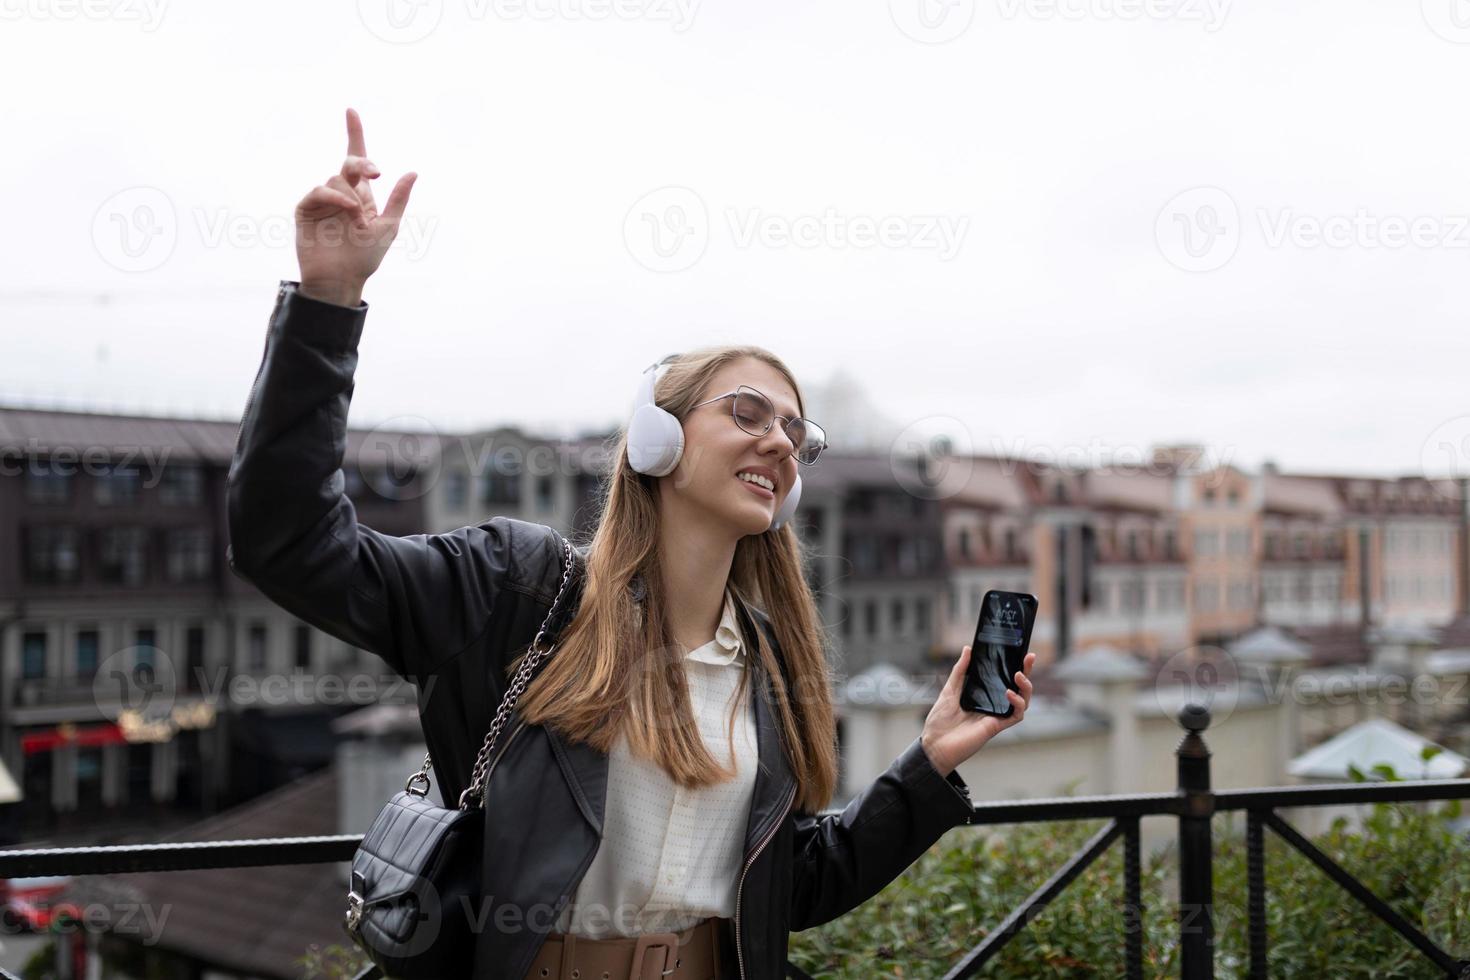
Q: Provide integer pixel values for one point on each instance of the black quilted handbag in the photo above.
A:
(415, 893)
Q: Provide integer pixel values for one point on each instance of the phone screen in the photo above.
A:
(1001, 639)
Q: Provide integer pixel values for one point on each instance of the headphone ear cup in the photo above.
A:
(655, 441)
(788, 506)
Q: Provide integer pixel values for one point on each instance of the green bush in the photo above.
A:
(932, 915)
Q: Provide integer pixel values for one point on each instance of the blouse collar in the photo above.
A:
(726, 647)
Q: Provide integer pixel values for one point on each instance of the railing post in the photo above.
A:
(1196, 874)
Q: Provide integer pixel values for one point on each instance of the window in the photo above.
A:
(545, 493)
(186, 554)
(864, 553)
(1301, 545)
(1207, 542)
(117, 485)
(1207, 596)
(921, 616)
(182, 485)
(870, 617)
(908, 557)
(964, 542)
(1132, 546)
(1010, 544)
(897, 617)
(47, 485)
(33, 655)
(194, 659)
(1171, 546)
(255, 649)
(303, 647)
(500, 489)
(457, 490)
(146, 640)
(52, 554)
(86, 663)
(122, 555)
(1130, 596)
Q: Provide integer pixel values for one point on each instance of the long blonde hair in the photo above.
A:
(597, 685)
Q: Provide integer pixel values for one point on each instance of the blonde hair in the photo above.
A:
(598, 686)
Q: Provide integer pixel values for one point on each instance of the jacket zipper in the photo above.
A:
(739, 956)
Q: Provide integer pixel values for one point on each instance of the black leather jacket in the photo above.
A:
(449, 611)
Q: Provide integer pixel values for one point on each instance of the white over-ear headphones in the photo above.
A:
(656, 439)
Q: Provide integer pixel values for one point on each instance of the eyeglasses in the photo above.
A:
(754, 413)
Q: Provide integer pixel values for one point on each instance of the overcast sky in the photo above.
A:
(1058, 228)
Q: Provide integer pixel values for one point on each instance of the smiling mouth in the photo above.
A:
(757, 488)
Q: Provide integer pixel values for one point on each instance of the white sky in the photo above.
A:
(1052, 139)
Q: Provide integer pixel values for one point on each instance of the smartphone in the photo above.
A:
(1001, 639)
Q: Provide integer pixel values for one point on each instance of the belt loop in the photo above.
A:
(568, 956)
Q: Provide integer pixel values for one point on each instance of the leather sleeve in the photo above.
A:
(415, 600)
(841, 860)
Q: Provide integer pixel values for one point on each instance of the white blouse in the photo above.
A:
(671, 856)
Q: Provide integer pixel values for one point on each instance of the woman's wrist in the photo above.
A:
(339, 293)
(940, 766)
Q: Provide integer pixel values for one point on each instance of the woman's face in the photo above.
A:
(716, 449)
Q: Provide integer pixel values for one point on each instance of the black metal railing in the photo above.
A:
(1193, 803)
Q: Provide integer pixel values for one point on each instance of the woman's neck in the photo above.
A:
(696, 569)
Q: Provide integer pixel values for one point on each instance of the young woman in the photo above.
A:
(650, 812)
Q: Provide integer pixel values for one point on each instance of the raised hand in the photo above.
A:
(952, 734)
(341, 237)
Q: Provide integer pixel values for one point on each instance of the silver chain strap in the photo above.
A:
(474, 791)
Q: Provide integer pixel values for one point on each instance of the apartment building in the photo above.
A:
(131, 658)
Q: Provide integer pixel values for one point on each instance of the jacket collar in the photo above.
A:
(586, 769)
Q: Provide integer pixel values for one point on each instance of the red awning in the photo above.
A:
(47, 739)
